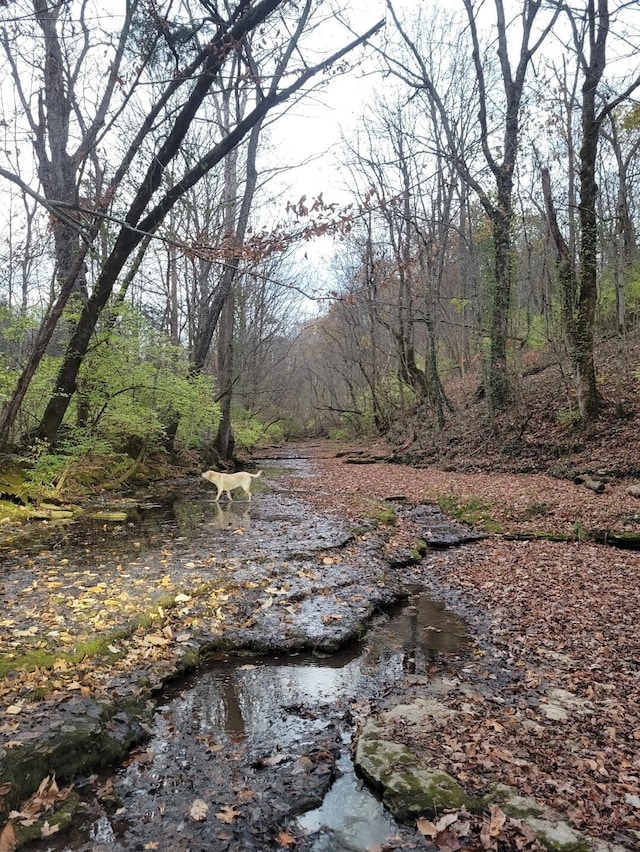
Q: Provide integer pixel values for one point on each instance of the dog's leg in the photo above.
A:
(229, 496)
(218, 492)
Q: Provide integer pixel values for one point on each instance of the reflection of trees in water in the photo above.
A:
(252, 699)
(189, 515)
(423, 630)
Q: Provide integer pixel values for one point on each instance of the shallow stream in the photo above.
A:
(260, 740)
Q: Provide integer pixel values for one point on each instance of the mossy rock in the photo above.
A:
(101, 736)
(512, 803)
(410, 792)
(375, 758)
(58, 821)
(107, 516)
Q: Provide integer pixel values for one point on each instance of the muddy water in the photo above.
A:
(251, 747)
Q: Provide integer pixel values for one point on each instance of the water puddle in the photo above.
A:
(275, 712)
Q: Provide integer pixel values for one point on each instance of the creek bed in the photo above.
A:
(250, 751)
(261, 738)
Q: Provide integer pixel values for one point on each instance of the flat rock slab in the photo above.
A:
(438, 530)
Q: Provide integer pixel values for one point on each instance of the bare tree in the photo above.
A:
(579, 275)
(420, 72)
(148, 207)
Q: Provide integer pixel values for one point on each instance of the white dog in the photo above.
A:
(228, 481)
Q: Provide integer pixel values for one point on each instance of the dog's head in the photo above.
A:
(209, 475)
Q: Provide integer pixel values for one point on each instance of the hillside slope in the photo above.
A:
(539, 431)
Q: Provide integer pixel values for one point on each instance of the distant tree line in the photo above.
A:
(152, 294)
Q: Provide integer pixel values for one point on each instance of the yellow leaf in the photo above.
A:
(14, 709)
(181, 598)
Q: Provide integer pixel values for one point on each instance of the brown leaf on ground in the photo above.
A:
(7, 839)
(227, 814)
(198, 810)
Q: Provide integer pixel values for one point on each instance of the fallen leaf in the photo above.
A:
(285, 839)
(426, 827)
(198, 810)
(227, 814)
(448, 842)
(7, 839)
(47, 830)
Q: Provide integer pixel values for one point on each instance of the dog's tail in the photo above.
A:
(256, 475)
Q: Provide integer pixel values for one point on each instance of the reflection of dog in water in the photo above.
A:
(227, 482)
(230, 516)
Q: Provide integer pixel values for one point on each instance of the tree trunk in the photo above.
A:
(45, 332)
(498, 379)
(225, 442)
(582, 337)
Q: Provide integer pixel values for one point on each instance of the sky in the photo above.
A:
(309, 138)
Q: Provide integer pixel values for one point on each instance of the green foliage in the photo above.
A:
(250, 432)
(343, 433)
(568, 416)
(607, 299)
(133, 390)
(474, 511)
(134, 386)
(383, 514)
(631, 120)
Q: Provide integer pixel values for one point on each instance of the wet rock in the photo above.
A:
(73, 740)
(401, 557)
(50, 823)
(409, 793)
(439, 531)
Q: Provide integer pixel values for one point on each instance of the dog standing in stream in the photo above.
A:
(228, 481)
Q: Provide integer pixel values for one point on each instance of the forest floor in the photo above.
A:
(543, 588)
(563, 615)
